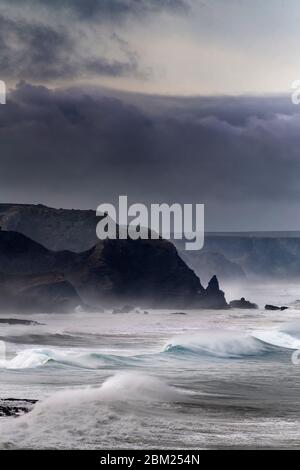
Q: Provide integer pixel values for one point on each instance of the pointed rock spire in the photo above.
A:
(213, 285)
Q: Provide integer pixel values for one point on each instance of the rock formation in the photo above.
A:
(15, 407)
(149, 273)
(56, 229)
(231, 256)
(275, 307)
(242, 303)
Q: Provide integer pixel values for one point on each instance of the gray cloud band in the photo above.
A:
(83, 145)
(42, 52)
(45, 47)
(104, 9)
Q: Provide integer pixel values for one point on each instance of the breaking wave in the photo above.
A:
(230, 344)
(31, 358)
(216, 344)
(286, 336)
(221, 344)
(91, 417)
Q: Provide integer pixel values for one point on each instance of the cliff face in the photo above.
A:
(56, 229)
(230, 256)
(144, 272)
(21, 255)
(42, 293)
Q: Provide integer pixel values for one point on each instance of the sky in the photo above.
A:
(161, 100)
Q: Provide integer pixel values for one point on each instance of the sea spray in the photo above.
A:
(218, 343)
(80, 417)
(85, 359)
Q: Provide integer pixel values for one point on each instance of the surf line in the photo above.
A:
(111, 460)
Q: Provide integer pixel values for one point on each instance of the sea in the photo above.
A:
(159, 379)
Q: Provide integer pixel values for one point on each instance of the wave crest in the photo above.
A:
(38, 357)
(287, 336)
(224, 344)
(93, 417)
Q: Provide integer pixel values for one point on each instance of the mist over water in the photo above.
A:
(205, 379)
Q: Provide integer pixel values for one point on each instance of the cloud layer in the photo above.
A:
(105, 9)
(74, 148)
(64, 40)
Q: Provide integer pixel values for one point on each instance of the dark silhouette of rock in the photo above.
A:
(43, 293)
(242, 303)
(149, 273)
(228, 255)
(213, 285)
(19, 255)
(51, 295)
(56, 229)
(213, 297)
(15, 407)
(275, 307)
(18, 321)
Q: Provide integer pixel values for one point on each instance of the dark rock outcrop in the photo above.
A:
(144, 272)
(213, 285)
(15, 407)
(19, 321)
(19, 255)
(275, 307)
(242, 303)
(56, 229)
(213, 297)
(114, 272)
(43, 293)
(230, 256)
(51, 295)
(138, 272)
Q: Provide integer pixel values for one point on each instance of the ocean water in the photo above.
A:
(162, 379)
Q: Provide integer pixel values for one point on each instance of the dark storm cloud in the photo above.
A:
(40, 52)
(72, 148)
(107, 9)
(31, 50)
(40, 47)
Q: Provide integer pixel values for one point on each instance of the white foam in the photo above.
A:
(74, 416)
(227, 344)
(286, 336)
(37, 357)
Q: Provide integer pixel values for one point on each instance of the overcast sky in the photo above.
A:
(162, 100)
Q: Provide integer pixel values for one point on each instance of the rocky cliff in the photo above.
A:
(230, 256)
(143, 272)
(56, 229)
